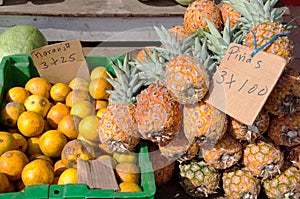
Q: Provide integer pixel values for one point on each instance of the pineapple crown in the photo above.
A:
(128, 83)
(153, 69)
(255, 12)
(218, 42)
(191, 45)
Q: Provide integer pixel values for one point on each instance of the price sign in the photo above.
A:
(60, 62)
(242, 83)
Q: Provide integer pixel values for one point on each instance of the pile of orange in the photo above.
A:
(48, 127)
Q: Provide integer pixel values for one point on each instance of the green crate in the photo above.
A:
(16, 71)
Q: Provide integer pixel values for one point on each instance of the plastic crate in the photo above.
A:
(16, 71)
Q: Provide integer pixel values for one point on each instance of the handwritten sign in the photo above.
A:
(60, 62)
(242, 83)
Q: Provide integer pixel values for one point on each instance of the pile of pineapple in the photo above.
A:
(158, 97)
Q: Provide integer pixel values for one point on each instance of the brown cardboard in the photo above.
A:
(242, 83)
(61, 62)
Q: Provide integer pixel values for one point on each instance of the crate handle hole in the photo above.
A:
(56, 191)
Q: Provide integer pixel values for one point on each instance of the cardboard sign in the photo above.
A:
(242, 83)
(60, 62)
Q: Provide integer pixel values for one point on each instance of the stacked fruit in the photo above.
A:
(169, 111)
(47, 127)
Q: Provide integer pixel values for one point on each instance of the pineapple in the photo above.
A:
(285, 97)
(179, 31)
(263, 158)
(239, 183)
(199, 178)
(226, 153)
(265, 21)
(141, 53)
(284, 185)
(228, 12)
(250, 133)
(285, 130)
(294, 155)
(197, 11)
(203, 124)
(180, 148)
(118, 127)
(157, 114)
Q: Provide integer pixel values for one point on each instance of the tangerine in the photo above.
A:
(68, 176)
(39, 86)
(38, 104)
(11, 112)
(52, 143)
(22, 144)
(7, 142)
(98, 88)
(17, 94)
(59, 92)
(30, 124)
(68, 125)
(56, 113)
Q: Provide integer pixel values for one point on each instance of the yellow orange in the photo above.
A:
(88, 128)
(7, 142)
(59, 92)
(38, 104)
(59, 167)
(33, 146)
(30, 124)
(128, 172)
(100, 112)
(4, 182)
(17, 94)
(11, 112)
(52, 143)
(22, 144)
(129, 187)
(56, 113)
(79, 84)
(99, 72)
(40, 156)
(83, 109)
(38, 86)
(69, 176)
(68, 125)
(38, 172)
(76, 96)
(101, 104)
(98, 88)
(12, 163)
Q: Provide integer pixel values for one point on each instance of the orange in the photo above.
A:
(101, 104)
(86, 142)
(38, 104)
(98, 87)
(30, 124)
(83, 109)
(40, 156)
(7, 142)
(99, 72)
(69, 176)
(39, 86)
(38, 172)
(76, 96)
(68, 125)
(4, 182)
(12, 163)
(59, 92)
(56, 113)
(88, 128)
(129, 187)
(10, 113)
(22, 144)
(128, 172)
(52, 143)
(79, 84)
(59, 167)
(33, 146)
(100, 112)
(17, 94)
(106, 149)
(73, 150)
(105, 157)
(128, 157)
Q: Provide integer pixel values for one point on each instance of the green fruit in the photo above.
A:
(20, 39)
(184, 2)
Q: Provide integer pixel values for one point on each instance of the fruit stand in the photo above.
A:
(88, 43)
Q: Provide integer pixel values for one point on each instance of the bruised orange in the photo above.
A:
(56, 113)
(68, 125)
(17, 94)
(22, 144)
(4, 183)
(52, 143)
(38, 86)
(40, 156)
(68, 176)
(38, 172)
(59, 92)
(98, 87)
(7, 142)
(12, 163)
(38, 104)
(33, 146)
(74, 150)
(59, 167)
(79, 84)
(11, 112)
(76, 96)
(30, 124)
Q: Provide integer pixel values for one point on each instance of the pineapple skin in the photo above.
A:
(263, 159)
(157, 114)
(264, 31)
(195, 13)
(238, 183)
(226, 153)
(118, 127)
(284, 185)
(294, 155)
(204, 124)
(199, 178)
(179, 31)
(228, 11)
(285, 130)
(186, 79)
